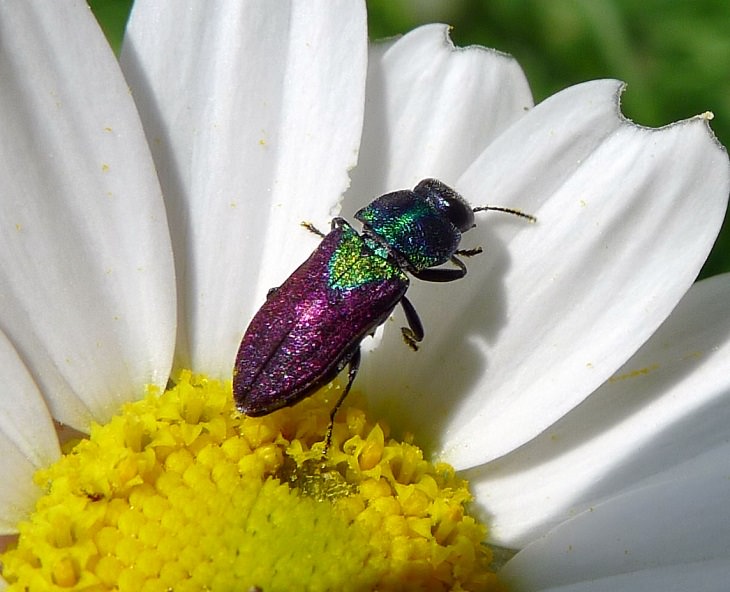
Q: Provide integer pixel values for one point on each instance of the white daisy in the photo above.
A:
(573, 376)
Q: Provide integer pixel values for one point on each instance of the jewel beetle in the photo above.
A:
(312, 325)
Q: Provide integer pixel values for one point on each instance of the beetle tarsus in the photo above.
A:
(413, 333)
(410, 338)
(469, 252)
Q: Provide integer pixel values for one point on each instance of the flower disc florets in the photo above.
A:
(180, 492)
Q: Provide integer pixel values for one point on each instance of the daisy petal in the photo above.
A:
(551, 310)
(603, 269)
(699, 576)
(253, 131)
(431, 109)
(666, 406)
(86, 262)
(682, 521)
(27, 438)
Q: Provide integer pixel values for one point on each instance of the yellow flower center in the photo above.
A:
(181, 492)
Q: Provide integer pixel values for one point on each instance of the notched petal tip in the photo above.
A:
(705, 119)
(701, 118)
(432, 108)
(607, 192)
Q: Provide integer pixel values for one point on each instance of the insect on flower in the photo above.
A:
(312, 325)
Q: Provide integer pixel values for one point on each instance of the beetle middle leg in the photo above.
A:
(354, 366)
(413, 333)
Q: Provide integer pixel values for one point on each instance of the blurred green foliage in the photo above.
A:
(112, 16)
(674, 54)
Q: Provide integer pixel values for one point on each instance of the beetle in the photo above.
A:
(312, 325)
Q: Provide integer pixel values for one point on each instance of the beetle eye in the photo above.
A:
(448, 202)
(459, 212)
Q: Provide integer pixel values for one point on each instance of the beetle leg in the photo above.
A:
(354, 366)
(442, 275)
(313, 229)
(469, 252)
(413, 333)
(337, 222)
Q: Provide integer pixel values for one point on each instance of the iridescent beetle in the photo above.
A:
(312, 325)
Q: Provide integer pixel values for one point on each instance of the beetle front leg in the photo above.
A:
(442, 275)
(337, 222)
(313, 229)
(469, 252)
(414, 333)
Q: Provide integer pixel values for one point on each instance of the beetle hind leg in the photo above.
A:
(354, 366)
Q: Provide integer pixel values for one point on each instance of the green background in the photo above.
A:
(674, 54)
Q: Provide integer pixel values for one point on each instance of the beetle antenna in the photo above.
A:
(506, 211)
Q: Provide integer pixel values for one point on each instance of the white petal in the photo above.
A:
(681, 521)
(698, 576)
(431, 109)
(87, 292)
(551, 310)
(27, 438)
(253, 129)
(668, 404)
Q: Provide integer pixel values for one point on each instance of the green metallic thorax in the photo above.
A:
(357, 262)
(411, 227)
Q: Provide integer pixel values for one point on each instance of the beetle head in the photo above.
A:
(448, 202)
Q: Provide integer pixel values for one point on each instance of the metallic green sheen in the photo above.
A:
(354, 264)
(412, 227)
